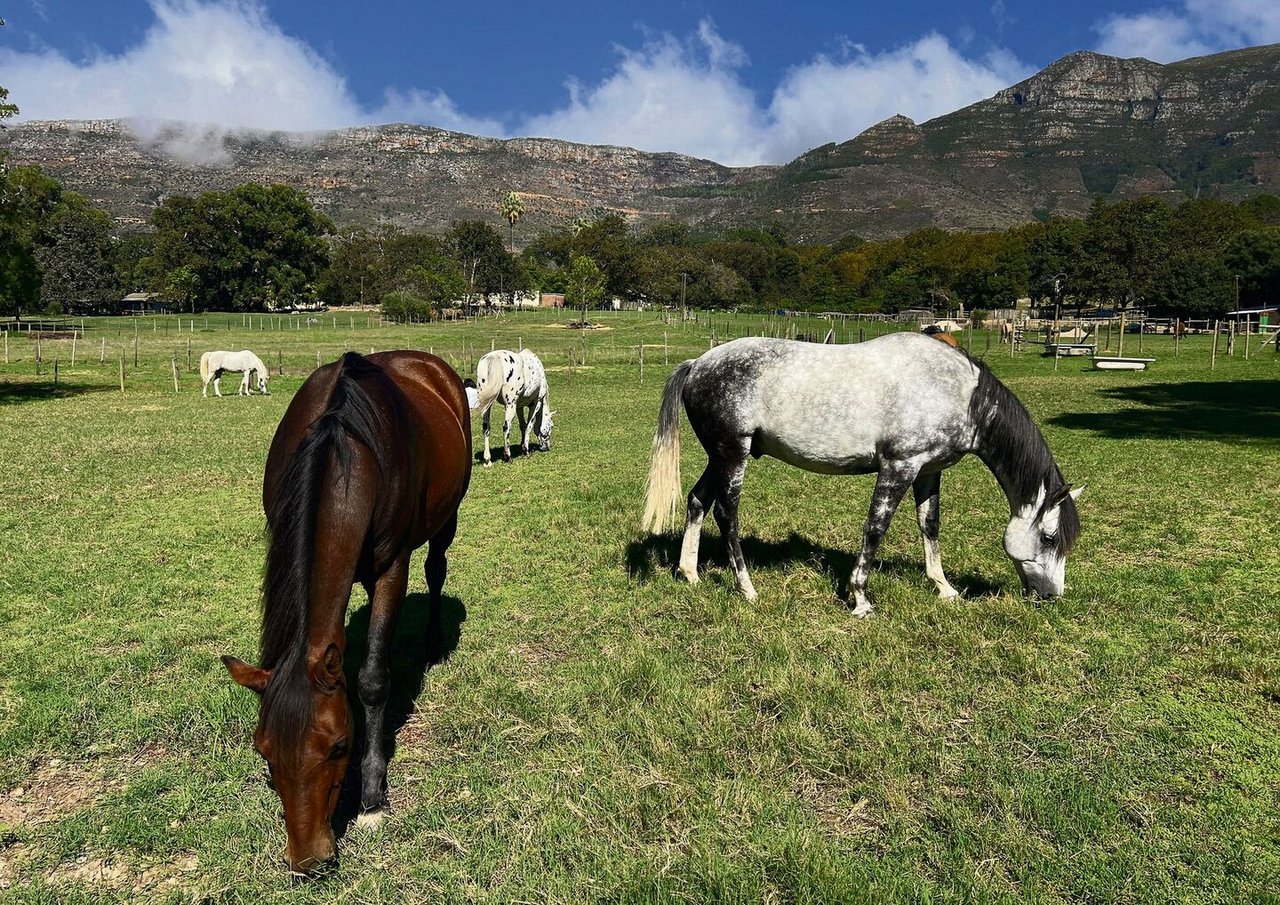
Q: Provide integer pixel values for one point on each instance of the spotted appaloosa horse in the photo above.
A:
(902, 406)
(370, 462)
(519, 382)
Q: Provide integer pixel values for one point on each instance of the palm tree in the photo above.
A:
(513, 209)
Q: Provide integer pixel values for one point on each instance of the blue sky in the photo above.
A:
(739, 82)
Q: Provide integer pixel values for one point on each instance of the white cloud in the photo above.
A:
(667, 96)
(1194, 28)
(223, 66)
(689, 96)
(828, 100)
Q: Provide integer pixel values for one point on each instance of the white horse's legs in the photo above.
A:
(700, 498)
(205, 391)
(526, 426)
(926, 488)
(507, 418)
(244, 384)
(891, 485)
(217, 384)
(484, 421)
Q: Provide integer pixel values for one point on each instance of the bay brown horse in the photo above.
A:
(371, 461)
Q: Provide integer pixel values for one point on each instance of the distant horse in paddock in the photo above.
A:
(899, 406)
(370, 462)
(941, 335)
(519, 382)
(1006, 332)
(214, 364)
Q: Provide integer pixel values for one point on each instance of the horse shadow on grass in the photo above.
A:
(412, 656)
(41, 391)
(656, 553)
(1231, 411)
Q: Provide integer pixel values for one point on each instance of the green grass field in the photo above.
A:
(604, 733)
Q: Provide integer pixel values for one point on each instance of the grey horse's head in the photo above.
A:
(1038, 538)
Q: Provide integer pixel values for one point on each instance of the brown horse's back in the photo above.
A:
(434, 392)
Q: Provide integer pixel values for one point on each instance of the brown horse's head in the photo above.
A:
(304, 734)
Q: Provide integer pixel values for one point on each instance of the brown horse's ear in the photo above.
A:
(253, 678)
(328, 671)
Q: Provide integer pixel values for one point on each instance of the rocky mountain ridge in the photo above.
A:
(1085, 126)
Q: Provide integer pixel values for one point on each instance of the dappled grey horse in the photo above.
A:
(903, 406)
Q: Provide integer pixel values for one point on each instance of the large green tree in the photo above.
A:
(28, 199)
(74, 255)
(487, 268)
(251, 248)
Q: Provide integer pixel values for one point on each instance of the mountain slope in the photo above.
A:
(1087, 125)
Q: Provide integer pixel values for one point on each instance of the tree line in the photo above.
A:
(266, 247)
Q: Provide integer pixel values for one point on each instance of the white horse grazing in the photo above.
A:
(214, 364)
(518, 381)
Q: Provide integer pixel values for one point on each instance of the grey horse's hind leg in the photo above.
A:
(728, 486)
(926, 488)
(700, 498)
(891, 486)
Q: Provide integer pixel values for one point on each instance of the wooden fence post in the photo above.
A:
(1213, 354)
(102, 353)
(642, 364)
(55, 372)
(188, 353)
(279, 363)
(73, 348)
(122, 370)
(174, 362)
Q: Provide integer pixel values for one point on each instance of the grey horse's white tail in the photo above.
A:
(204, 368)
(492, 380)
(662, 496)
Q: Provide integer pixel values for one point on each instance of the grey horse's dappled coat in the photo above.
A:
(903, 406)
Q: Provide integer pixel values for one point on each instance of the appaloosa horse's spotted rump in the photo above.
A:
(903, 406)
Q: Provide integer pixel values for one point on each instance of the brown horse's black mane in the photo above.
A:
(351, 412)
(1012, 446)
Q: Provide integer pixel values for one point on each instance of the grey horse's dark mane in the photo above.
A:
(1014, 449)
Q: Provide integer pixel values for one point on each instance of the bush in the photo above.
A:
(402, 305)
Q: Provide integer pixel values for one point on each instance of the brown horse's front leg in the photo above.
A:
(375, 688)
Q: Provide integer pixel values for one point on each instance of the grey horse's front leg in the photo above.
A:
(926, 489)
(891, 486)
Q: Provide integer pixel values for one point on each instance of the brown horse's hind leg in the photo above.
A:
(437, 567)
(375, 687)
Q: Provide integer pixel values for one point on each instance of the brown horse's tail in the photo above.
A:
(321, 462)
(662, 496)
(490, 380)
